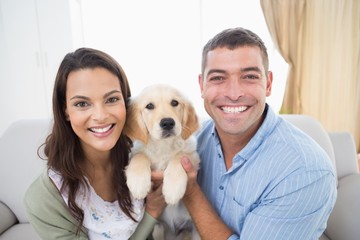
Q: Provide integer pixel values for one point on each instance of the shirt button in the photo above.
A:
(221, 187)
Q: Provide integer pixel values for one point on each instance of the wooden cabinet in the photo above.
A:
(34, 37)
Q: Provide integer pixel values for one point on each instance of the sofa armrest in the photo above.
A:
(7, 218)
(345, 153)
(343, 222)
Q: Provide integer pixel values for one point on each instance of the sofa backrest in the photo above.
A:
(345, 153)
(19, 162)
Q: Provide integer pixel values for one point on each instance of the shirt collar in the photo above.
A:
(265, 129)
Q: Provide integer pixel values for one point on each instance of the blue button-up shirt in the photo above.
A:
(281, 184)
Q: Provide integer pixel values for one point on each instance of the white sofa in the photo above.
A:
(340, 146)
(20, 165)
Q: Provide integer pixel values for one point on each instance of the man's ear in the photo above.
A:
(269, 80)
(201, 82)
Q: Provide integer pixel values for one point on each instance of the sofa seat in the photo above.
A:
(20, 231)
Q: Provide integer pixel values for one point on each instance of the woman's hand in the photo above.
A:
(155, 202)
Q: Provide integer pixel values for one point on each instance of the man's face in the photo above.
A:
(234, 88)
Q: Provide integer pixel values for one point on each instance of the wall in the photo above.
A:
(35, 35)
(154, 41)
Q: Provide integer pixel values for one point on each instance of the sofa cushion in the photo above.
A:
(343, 222)
(19, 232)
(345, 153)
(323, 237)
(7, 218)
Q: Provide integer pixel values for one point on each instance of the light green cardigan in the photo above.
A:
(51, 218)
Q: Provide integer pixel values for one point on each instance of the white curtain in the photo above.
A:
(320, 40)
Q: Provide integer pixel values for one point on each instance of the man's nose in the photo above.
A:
(234, 89)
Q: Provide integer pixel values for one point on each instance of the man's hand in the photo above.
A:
(192, 174)
(203, 216)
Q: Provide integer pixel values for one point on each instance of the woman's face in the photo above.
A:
(95, 108)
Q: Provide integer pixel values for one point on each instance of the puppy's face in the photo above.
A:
(160, 112)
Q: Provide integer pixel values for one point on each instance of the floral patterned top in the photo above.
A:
(102, 219)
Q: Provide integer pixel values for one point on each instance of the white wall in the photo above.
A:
(159, 41)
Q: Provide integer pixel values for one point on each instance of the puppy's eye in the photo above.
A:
(150, 106)
(174, 103)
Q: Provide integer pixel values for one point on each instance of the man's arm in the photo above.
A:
(208, 223)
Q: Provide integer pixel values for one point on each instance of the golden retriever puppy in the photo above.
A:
(161, 122)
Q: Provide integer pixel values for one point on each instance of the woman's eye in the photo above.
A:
(113, 99)
(174, 103)
(150, 106)
(81, 104)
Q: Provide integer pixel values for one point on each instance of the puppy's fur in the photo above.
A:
(161, 122)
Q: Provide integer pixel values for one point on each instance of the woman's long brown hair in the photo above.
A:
(62, 147)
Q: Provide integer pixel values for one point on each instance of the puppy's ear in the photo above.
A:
(190, 121)
(134, 127)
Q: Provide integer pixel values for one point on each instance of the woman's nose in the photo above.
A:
(99, 113)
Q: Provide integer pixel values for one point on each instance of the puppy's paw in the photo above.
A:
(139, 183)
(174, 187)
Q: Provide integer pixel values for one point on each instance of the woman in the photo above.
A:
(83, 192)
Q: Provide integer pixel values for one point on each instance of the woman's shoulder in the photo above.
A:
(41, 192)
(37, 187)
(48, 213)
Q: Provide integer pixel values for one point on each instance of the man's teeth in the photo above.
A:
(101, 130)
(234, 109)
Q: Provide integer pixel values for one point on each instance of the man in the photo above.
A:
(260, 177)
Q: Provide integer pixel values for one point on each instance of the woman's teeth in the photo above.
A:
(101, 130)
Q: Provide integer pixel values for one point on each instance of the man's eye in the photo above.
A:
(216, 78)
(150, 106)
(174, 103)
(81, 104)
(252, 76)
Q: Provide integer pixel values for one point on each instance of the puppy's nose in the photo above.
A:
(167, 123)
